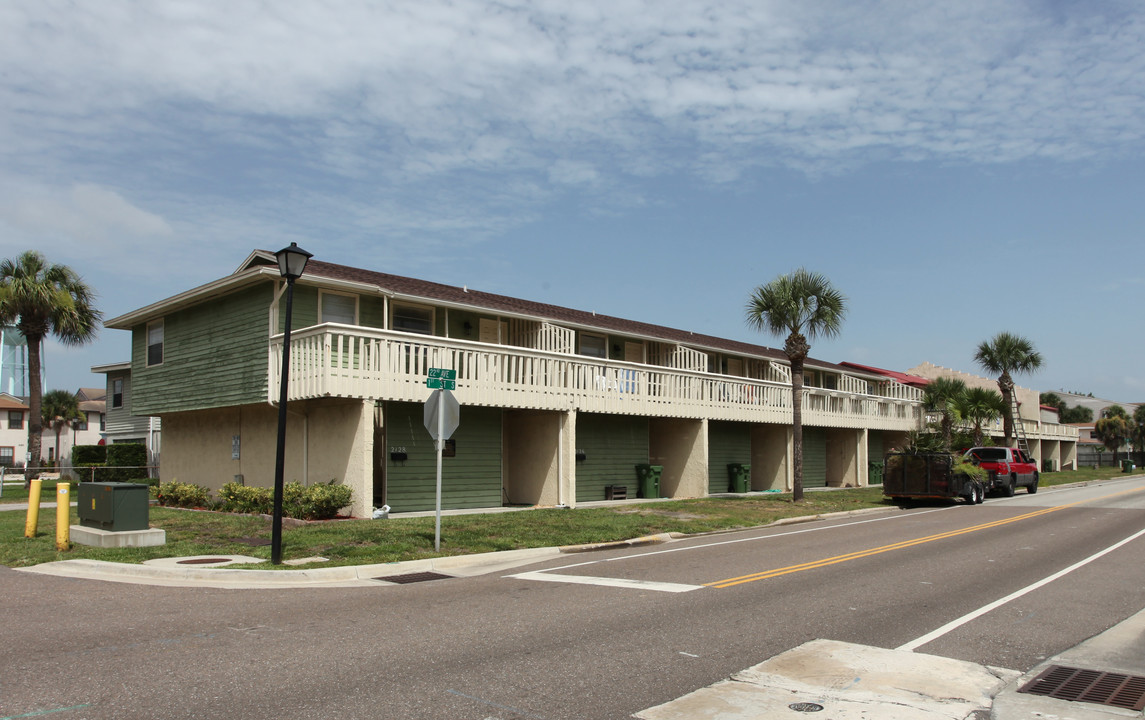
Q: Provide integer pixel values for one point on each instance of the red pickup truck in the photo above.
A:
(1008, 468)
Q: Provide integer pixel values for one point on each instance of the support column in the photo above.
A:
(566, 472)
(681, 447)
(771, 457)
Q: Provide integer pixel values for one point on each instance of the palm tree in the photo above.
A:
(44, 299)
(1113, 431)
(979, 406)
(805, 306)
(1005, 354)
(942, 394)
(60, 409)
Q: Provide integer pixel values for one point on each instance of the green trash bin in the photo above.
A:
(739, 478)
(648, 477)
(1127, 466)
(875, 472)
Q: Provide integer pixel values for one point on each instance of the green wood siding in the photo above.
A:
(874, 446)
(728, 442)
(472, 479)
(613, 445)
(814, 457)
(214, 355)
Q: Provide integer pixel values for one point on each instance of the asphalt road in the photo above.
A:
(597, 635)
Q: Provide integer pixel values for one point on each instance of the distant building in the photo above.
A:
(119, 425)
(13, 430)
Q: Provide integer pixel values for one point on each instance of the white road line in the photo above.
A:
(931, 636)
(546, 576)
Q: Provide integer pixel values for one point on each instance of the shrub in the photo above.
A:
(177, 494)
(234, 497)
(127, 462)
(316, 502)
(88, 455)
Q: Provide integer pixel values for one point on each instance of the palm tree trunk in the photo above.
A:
(797, 429)
(1006, 385)
(35, 409)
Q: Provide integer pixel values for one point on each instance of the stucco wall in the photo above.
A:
(771, 457)
(681, 447)
(325, 440)
(531, 447)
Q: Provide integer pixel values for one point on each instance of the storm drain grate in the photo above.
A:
(414, 578)
(1092, 686)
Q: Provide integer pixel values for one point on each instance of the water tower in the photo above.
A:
(13, 362)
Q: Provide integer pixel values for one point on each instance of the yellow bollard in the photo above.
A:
(63, 515)
(33, 508)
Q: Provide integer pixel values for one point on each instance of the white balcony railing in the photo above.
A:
(334, 360)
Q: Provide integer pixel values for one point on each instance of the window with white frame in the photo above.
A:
(337, 308)
(117, 393)
(81, 424)
(413, 318)
(7, 456)
(155, 343)
(594, 345)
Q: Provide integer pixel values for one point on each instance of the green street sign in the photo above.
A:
(443, 373)
(440, 384)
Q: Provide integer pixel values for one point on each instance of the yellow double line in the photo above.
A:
(767, 574)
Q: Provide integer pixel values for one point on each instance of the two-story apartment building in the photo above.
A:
(557, 405)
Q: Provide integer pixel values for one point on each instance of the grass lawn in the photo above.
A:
(359, 542)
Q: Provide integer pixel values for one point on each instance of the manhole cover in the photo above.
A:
(414, 577)
(1092, 686)
(203, 561)
(805, 707)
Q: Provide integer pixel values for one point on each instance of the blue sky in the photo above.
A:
(955, 169)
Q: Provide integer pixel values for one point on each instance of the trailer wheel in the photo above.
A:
(979, 493)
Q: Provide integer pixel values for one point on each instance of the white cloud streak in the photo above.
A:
(419, 105)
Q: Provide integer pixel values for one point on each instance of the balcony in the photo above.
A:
(333, 360)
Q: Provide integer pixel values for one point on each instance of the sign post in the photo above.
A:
(442, 415)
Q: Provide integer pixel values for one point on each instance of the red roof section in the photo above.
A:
(912, 380)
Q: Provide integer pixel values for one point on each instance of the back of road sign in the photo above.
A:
(442, 401)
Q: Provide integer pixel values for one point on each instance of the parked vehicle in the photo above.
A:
(1007, 467)
(928, 476)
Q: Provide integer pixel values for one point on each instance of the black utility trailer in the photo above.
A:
(928, 476)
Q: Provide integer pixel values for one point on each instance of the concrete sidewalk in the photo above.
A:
(853, 682)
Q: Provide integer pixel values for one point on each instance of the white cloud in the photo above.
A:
(84, 213)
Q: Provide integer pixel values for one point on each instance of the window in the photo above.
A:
(7, 456)
(102, 422)
(82, 424)
(15, 419)
(594, 345)
(117, 393)
(414, 319)
(155, 343)
(337, 308)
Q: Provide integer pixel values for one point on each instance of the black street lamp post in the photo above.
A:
(291, 265)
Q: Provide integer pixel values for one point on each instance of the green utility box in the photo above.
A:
(875, 472)
(648, 477)
(113, 506)
(1048, 465)
(739, 478)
